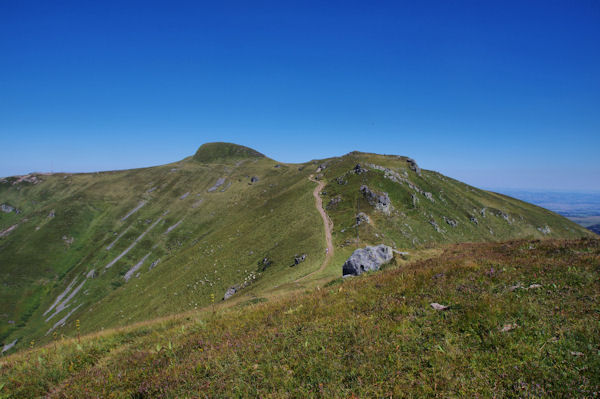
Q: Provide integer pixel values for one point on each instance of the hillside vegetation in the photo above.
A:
(118, 247)
(520, 320)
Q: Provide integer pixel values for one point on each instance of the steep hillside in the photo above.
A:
(112, 248)
(520, 319)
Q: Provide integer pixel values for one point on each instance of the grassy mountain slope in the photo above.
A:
(522, 321)
(113, 248)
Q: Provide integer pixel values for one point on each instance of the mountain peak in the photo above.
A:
(218, 151)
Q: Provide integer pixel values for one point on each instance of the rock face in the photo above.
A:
(379, 201)
(367, 259)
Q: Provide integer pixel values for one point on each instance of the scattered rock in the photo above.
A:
(153, 264)
(218, 184)
(534, 286)
(6, 208)
(28, 179)
(359, 170)
(397, 178)
(504, 216)
(51, 214)
(299, 259)
(367, 259)
(277, 166)
(508, 327)
(544, 230)
(91, 274)
(226, 187)
(578, 354)
(437, 306)
(415, 200)
(263, 264)
(435, 225)
(451, 222)
(437, 276)
(7, 347)
(68, 240)
(473, 219)
(381, 202)
(340, 180)
(230, 292)
(184, 196)
(253, 179)
(362, 218)
(334, 201)
(412, 164)
(482, 212)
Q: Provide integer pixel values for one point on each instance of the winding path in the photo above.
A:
(326, 222)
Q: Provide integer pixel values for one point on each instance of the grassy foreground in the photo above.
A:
(523, 321)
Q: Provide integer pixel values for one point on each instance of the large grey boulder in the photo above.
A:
(367, 259)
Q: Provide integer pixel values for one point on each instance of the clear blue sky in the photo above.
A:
(497, 94)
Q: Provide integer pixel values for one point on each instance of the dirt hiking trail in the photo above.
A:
(328, 227)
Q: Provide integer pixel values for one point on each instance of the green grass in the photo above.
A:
(221, 239)
(372, 336)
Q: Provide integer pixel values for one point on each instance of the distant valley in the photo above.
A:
(581, 207)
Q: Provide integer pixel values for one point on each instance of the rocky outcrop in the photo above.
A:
(381, 202)
(359, 170)
(218, 184)
(451, 222)
(230, 292)
(6, 208)
(341, 181)
(412, 164)
(362, 218)
(333, 202)
(544, 230)
(263, 264)
(367, 259)
(299, 259)
(435, 225)
(398, 178)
